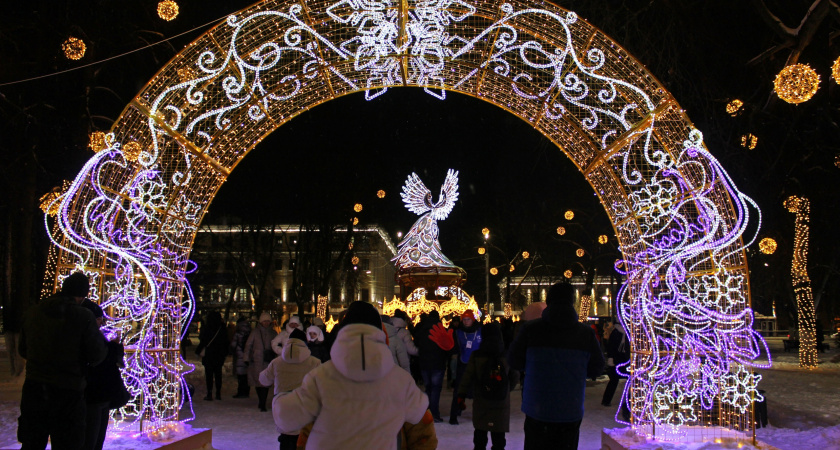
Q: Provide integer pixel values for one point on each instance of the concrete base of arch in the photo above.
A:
(620, 441)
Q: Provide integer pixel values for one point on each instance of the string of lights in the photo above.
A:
(807, 319)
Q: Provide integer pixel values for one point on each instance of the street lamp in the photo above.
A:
(486, 233)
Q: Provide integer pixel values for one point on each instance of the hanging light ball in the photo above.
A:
(561, 231)
(569, 215)
(132, 150)
(481, 250)
(380, 193)
(526, 255)
(792, 203)
(837, 161)
(357, 207)
(579, 252)
(835, 70)
(749, 141)
(74, 48)
(485, 231)
(167, 10)
(767, 246)
(733, 108)
(512, 268)
(796, 83)
(97, 141)
(355, 260)
(350, 246)
(567, 274)
(494, 271)
(48, 202)
(602, 239)
(355, 221)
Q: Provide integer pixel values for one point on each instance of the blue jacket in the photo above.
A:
(557, 354)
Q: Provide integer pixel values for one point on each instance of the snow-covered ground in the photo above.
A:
(803, 408)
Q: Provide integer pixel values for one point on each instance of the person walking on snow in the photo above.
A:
(468, 339)
(490, 378)
(213, 349)
(434, 343)
(279, 340)
(316, 344)
(618, 353)
(359, 399)
(396, 344)
(258, 354)
(237, 347)
(286, 374)
(558, 354)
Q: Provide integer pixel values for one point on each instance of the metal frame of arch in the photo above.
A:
(129, 218)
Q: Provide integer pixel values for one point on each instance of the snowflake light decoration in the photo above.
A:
(741, 389)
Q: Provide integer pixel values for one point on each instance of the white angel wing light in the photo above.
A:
(448, 196)
(416, 195)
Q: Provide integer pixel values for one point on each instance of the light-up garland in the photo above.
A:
(677, 215)
(585, 307)
(802, 283)
(321, 307)
(417, 304)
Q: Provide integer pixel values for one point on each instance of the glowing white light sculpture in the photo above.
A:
(420, 247)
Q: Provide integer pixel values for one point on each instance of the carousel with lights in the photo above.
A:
(428, 280)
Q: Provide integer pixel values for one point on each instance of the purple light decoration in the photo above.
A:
(692, 334)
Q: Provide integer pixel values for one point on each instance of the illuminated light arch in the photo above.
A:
(129, 220)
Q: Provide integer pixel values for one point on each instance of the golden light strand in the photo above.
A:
(802, 283)
(585, 306)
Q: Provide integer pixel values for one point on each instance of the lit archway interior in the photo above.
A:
(130, 216)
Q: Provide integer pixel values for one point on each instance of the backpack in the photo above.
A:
(494, 382)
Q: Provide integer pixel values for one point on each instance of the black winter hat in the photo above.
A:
(563, 294)
(297, 334)
(94, 308)
(362, 312)
(76, 285)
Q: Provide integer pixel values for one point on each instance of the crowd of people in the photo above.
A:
(357, 386)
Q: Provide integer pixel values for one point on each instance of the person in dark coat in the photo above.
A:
(59, 340)
(237, 347)
(557, 353)
(433, 343)
(489, 414)
(104, 382)
(618, 352)
(213, 340)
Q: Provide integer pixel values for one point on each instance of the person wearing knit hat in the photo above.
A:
(286, 373)
(360, 380)
(558, 354)
(258, 354)
(59, 340)
(467, 340)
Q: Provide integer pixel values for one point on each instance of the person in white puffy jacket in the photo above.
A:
(402, 331)
(359, 399)
(292, 325)
(286, 373)
(395, 344)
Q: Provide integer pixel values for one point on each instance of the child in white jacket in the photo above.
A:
(358, 399)
(286, 373)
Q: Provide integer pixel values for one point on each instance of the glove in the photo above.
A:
(462, 403)
(442, 337)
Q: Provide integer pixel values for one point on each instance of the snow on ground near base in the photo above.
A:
(802, 405)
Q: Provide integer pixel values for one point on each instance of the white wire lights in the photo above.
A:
(677, 215)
